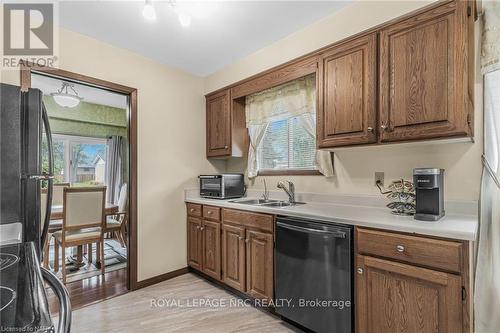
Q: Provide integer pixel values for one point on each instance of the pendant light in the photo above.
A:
(149, 11)
(67, 96)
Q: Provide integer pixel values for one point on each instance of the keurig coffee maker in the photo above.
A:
(429, 190)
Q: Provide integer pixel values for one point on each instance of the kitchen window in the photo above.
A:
(287, 146)
(281, 123)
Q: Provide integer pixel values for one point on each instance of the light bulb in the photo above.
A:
(184, 19)
(149, 11)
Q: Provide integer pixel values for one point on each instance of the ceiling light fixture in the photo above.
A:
(149, 11)
(64, 97)
(184, 19)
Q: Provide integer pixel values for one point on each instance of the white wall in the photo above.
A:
(355, 167)
(171, 141)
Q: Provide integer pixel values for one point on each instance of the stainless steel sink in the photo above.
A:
(254, 201)
(267, 203)
(282, 204)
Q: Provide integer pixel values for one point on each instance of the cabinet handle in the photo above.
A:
(370, 129)
(360, 271)
(400, 248)
(383, 127)
(191, 210)
(240, 238)
(209, 212)
(198, 227)
(201, 228)
(226, 147)
(247, 240)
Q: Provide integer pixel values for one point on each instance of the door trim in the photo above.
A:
(28, 68)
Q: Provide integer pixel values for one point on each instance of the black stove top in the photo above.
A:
(23, 303)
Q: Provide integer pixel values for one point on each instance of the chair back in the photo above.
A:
(122, 199)
(57, 193)
(84, 207)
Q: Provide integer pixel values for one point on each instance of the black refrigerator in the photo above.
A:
(23, 124)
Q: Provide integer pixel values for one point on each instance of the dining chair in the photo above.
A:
(57, 193)
(83, 222)
(117, 222)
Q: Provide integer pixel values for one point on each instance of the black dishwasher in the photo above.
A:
(314, 274)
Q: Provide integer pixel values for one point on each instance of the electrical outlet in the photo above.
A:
(379, 178)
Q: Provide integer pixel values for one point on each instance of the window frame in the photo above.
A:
(289, 171)
(69, 141)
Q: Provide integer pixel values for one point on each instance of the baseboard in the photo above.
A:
(160, 278)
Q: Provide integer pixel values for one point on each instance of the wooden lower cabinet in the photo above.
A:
(397, 291)
(259, 258)
(233, 256)
(194, 242)
(234, 247)
(211, 263)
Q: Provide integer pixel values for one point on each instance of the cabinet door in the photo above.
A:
(259, 264)
(211, 249)
(347, 94)
(394, 297)
(195, 241)
(424, 76)
(233, 256)
(219, 124)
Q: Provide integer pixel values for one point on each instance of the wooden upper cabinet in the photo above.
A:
(424, 75)
(347, 88)
(394, 297)
(219, 124)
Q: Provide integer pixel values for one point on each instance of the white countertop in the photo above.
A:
(454, 225)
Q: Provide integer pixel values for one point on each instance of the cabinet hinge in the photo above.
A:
(468, 119)
(469, 11)
(464, 294)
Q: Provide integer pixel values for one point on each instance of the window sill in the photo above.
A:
(289, 173)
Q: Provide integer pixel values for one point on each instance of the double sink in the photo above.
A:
(267, 203)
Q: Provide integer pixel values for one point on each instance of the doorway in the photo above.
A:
(95, 146)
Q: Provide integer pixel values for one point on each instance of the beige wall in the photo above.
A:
(355, 167)
(171, 141)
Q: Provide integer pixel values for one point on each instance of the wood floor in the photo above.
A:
(92, 290)
(136, 311)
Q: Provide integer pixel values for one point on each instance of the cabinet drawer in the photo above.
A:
(439, 254)
(248, 219)
(193, 209)
(211, 213)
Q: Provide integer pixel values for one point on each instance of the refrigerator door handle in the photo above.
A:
(47, 176)
(64, 322)
(42, 176)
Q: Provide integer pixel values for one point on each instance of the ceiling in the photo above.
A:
(221, 32)
(90, 94)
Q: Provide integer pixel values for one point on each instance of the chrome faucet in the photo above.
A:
(265, 195)
(290, 191)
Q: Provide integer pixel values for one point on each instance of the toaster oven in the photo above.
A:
(223, 186)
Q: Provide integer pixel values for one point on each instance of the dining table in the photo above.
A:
(57, 210)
